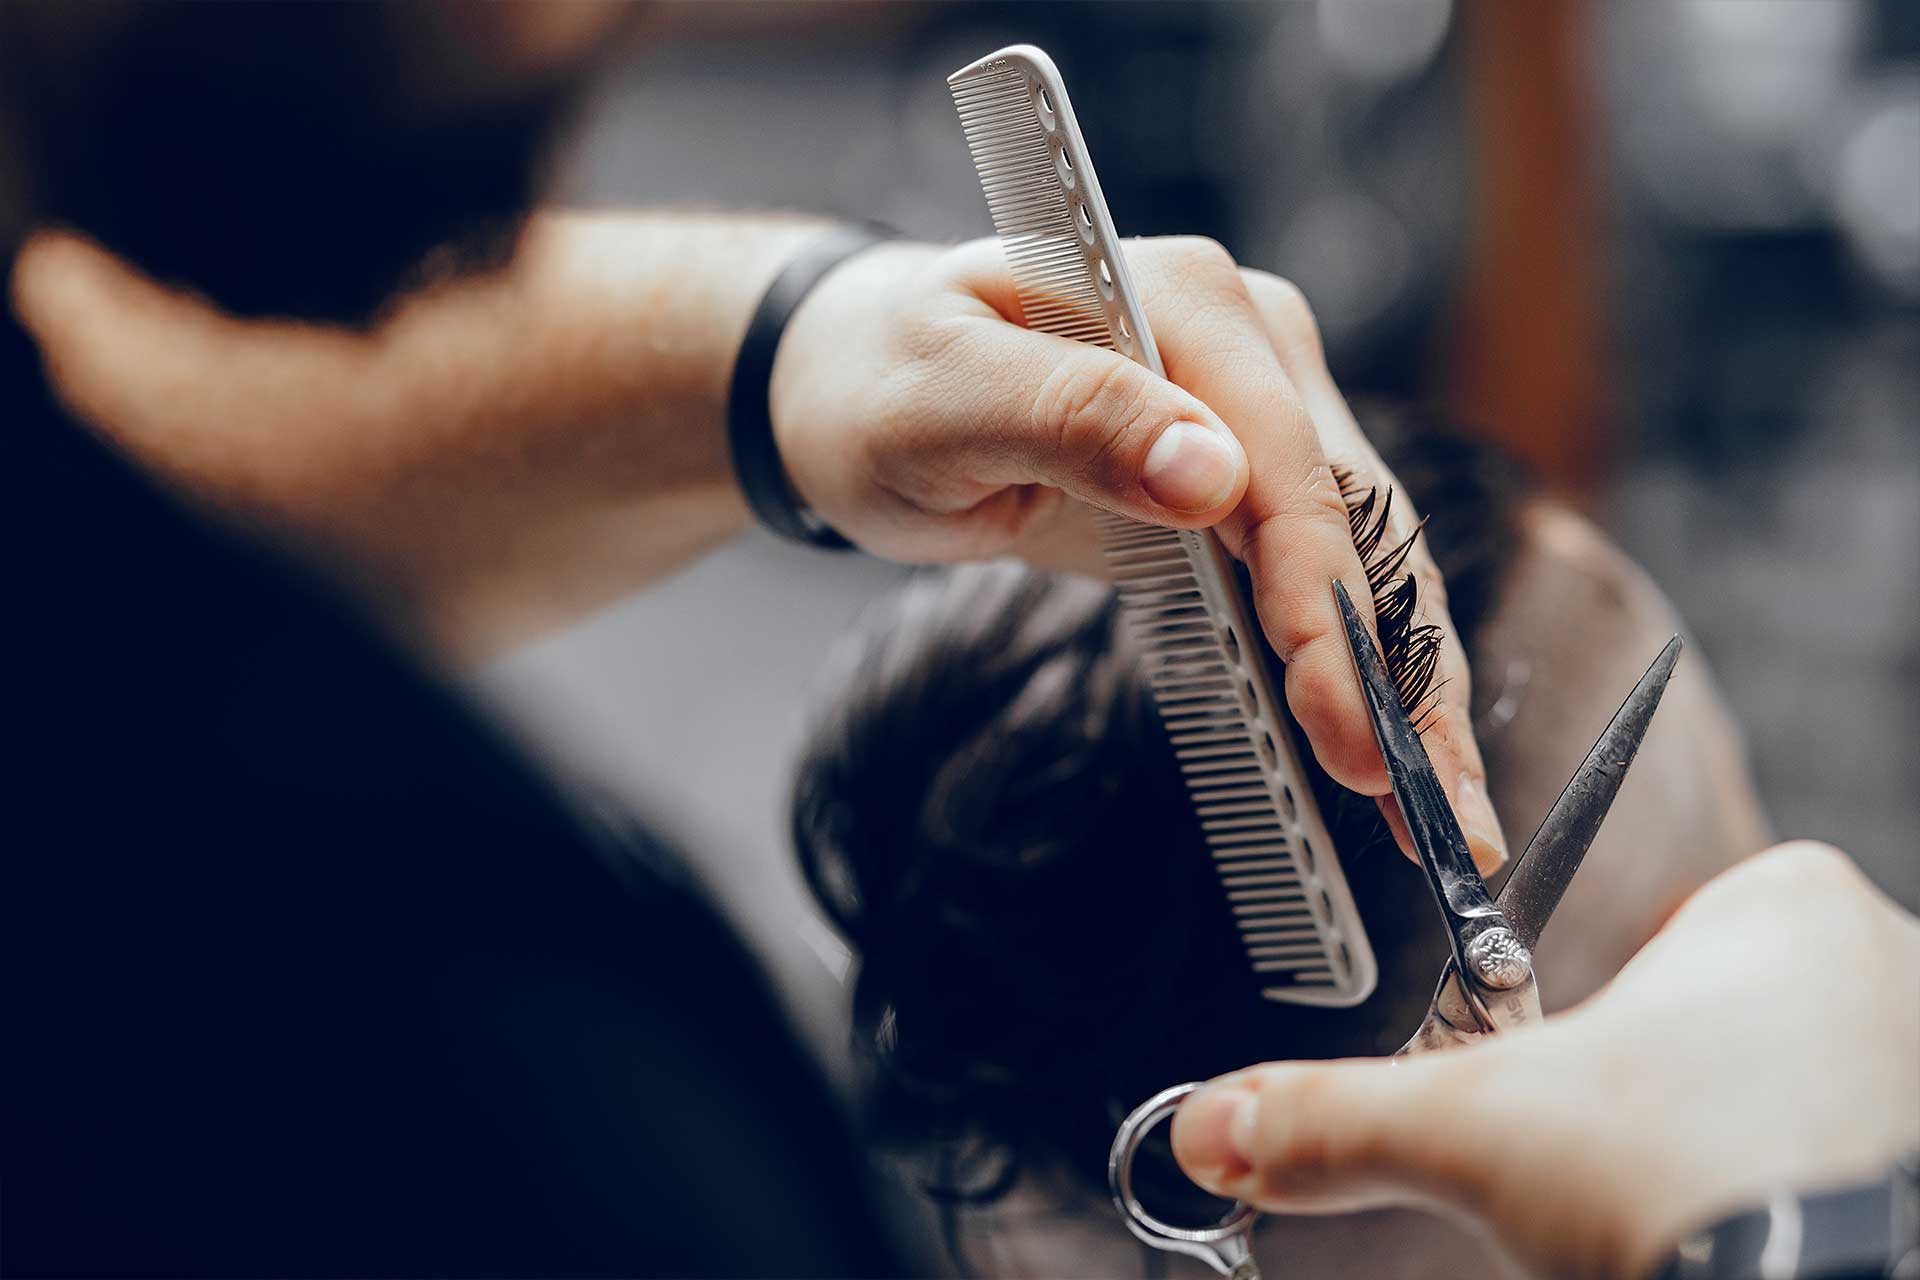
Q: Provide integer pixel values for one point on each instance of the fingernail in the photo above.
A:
(1191, 468)
(1480, 824)
(1204, 1131)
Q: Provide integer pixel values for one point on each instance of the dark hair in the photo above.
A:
(270, 156)
(989, 810)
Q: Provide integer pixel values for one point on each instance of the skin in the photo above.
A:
(1575, 625)
(1591, 1144)
(502, 455)
(1572, 626)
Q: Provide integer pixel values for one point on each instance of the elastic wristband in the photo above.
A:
(756, 459)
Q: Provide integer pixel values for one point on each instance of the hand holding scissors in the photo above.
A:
(1488, 984)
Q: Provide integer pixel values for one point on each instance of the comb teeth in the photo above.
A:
(1226, 759)
(1032, 213)
(1302, 935)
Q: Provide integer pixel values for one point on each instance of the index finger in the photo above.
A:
(1291, 528)
(1445, 719)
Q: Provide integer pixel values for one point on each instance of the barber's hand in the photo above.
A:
(1768, 1039)
(504, 453)
(917, 417)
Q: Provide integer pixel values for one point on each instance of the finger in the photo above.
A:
(1288, 523)
(997, 405)
(1340, 1137)
(1291, 528)
(1449, 736)
(1067, 542)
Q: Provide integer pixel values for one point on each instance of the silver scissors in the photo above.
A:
(1488, 983)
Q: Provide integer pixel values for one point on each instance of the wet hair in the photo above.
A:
(989, 810)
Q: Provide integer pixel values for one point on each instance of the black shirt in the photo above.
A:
(308, 971)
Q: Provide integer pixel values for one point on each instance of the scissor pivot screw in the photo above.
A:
(1499, 959)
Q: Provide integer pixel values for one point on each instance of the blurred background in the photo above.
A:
(1669, 255)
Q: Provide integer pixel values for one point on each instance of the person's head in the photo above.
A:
(989, 810)
(289, 159)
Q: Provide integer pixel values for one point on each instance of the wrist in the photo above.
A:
(841, 349)
(759, 465)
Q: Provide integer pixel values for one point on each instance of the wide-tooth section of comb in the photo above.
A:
(1283, 884)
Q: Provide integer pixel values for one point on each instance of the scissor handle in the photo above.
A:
(1223, 1244)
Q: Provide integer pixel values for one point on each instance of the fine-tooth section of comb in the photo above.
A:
(1303, 936)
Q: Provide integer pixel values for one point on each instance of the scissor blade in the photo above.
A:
(1548, 865)
(1457, 887)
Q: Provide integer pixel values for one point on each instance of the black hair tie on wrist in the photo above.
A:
(756, 459)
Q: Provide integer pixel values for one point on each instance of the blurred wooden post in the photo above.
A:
(1524, 360)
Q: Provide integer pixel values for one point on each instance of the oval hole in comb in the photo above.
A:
(1063, 166)
(1306, 854)
(1083, 220)
(1043, 103)
(1106, 279)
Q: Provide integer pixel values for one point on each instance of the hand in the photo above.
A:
(503, 454)
(1768, 1038)
(917, 417)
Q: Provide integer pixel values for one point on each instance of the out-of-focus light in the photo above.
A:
(1380, 41)
(1351, 257)
(1763, 70)
(1726, 111)
(1876, 188)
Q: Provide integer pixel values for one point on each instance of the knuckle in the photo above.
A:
(1272, 546)
(1820, 883)
(1811, 866)
(1281, 504)
(1204, 260)
(1089, 406)
(970, 253)
(930, 338)
(968, 262)
(997, 524)
(1286, 1158)
(1317, 493)
(1288, 313)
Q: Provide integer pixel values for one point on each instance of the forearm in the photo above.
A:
(502, 455)
(507, 454)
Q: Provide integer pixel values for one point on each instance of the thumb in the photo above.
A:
(1088, 421)
(1343, 1136)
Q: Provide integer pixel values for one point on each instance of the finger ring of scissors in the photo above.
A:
(1223, 1245)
